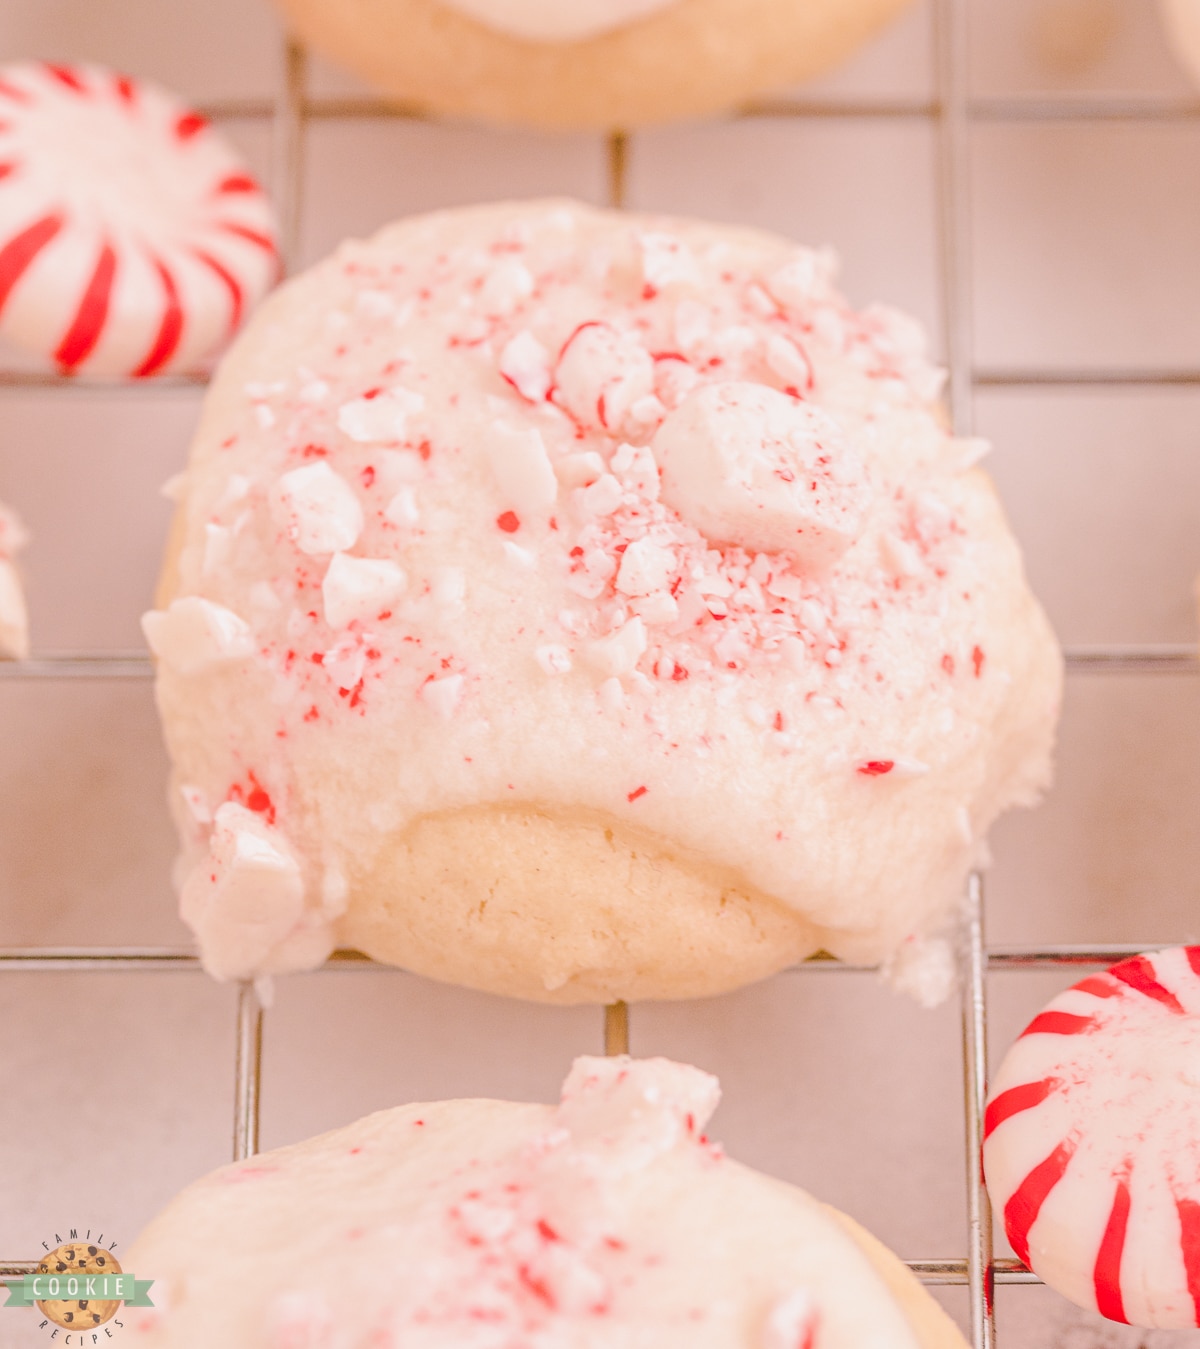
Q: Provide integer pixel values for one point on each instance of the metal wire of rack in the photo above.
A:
(951, 113)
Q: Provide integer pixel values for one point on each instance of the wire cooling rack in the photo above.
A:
(952, 114)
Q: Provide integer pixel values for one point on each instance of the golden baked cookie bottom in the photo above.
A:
(566, 908)
(695, 58)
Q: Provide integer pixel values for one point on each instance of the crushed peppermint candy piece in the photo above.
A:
(402, 510)
(360, 588)
(522, 468)
(553, 659)
(645, 567)
(380, 417)
(805, 278)
(792, 1322)
(246, 897)
(619, 652)
(508, 283)
(193, 633)
(667, 262)
(525, 364)
(748, 465)
(601, 374)
(317, 509)
(443, 695)
(14, 620)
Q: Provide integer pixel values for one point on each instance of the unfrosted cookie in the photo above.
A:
(14, 621)
(591, 63)
(1182, 21)
(607, 1222)
(585, 606)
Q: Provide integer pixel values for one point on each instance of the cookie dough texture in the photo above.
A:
(461, 661)
(690, 58)
(607, 1222)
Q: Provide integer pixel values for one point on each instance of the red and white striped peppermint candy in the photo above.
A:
(133, 240)
(1092, 1142)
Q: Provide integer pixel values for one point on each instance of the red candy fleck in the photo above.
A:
(508, 522)
(254, 797)
(948, 663)
(637, 791)
(876, 768)
(368, 476)
(977, 660)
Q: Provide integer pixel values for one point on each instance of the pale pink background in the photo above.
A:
(115, 1090)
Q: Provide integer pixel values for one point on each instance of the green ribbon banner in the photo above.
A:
(75, 1287)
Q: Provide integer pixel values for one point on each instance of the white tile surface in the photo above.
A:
(1084, 253)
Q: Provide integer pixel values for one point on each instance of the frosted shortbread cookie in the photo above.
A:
(593, 63)
(607, 1222)
(578, 606)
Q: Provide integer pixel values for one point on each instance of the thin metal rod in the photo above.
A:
(95, 666)
(288, 167)
(60, 959)
(930, 1272)
(980, 1270)
(616, 1028)
(1051, 957)
(247, 1073)
(1114, 377)
(618, 168)
(1032, 377)
(1086, 108)
(1158, 658)
(46, 379)
(954, 204)
(1177, 658)
(836, 109)
(944, 1272)
(1018, 108)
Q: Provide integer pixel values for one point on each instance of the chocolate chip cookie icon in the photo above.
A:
(79, 1257)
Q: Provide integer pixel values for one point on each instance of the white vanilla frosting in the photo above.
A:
(557, 20)
(607, 1222)
(626, 519)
